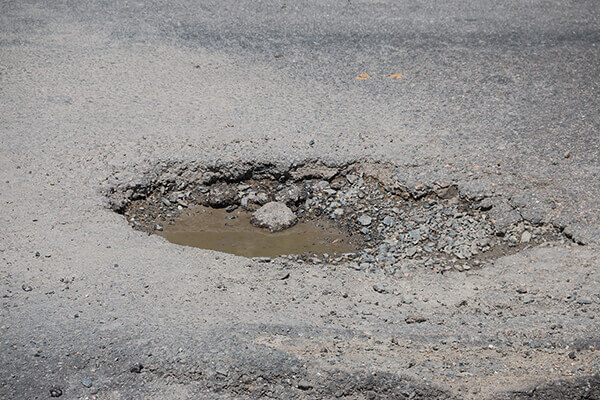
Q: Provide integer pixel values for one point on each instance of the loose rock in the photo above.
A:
(274, 216)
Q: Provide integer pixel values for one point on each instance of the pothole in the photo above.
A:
(348, 213)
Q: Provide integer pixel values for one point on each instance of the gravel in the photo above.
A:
(440, 231)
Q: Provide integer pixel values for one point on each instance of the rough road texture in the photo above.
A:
(498, 99)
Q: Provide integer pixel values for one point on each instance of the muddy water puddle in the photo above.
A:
(231, 232)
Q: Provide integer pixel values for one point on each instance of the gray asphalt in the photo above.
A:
(498, 98)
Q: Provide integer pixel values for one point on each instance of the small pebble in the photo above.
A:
(365, 220)
(388, 221)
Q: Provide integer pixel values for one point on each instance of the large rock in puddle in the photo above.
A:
(274, 216)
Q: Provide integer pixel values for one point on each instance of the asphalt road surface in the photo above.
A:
(496, 98)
